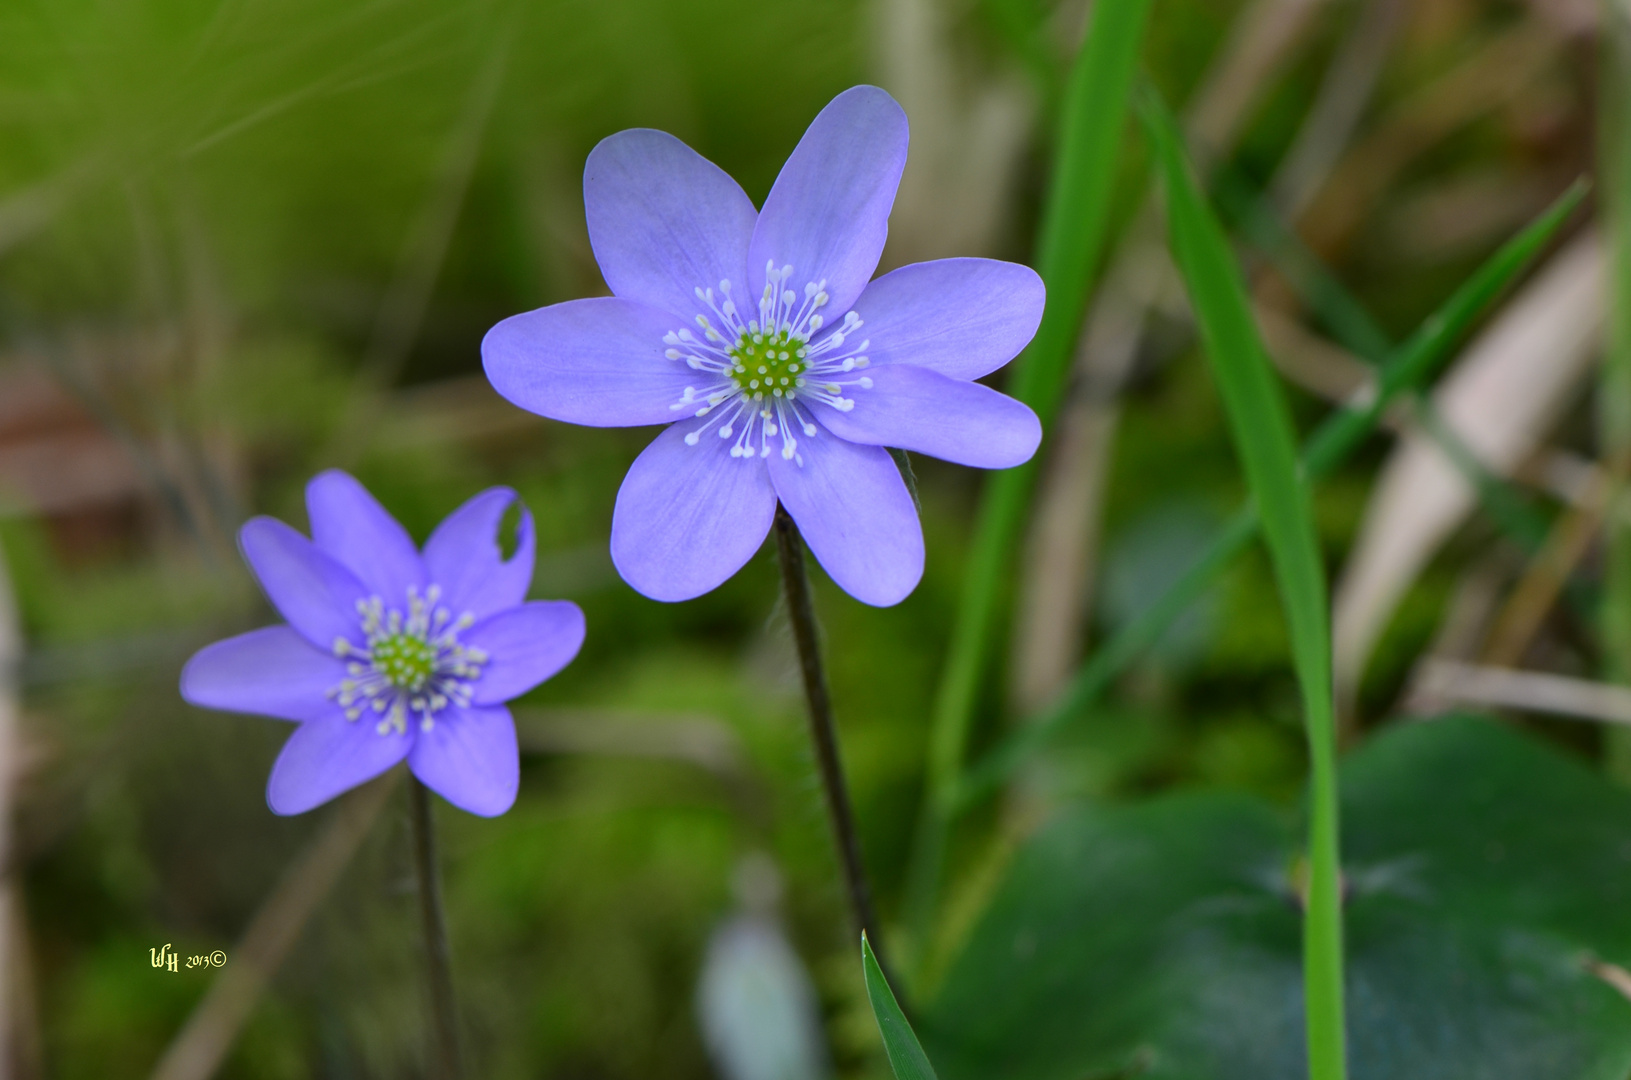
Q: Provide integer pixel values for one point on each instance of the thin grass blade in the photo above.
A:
(906, 1056)
(1260, 421)
(1075, 222)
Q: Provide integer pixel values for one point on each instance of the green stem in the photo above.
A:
(444, 1008)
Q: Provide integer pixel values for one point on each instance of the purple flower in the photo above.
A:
(390, 652)
(784, 371)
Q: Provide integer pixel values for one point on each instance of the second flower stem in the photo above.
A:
(823, 733)
(444, 1010)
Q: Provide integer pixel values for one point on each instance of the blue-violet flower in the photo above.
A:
(783, 369)
(390, 652)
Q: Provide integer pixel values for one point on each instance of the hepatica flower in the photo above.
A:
(783, 371)
(390, 652)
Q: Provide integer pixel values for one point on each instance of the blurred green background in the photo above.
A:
(241, 241)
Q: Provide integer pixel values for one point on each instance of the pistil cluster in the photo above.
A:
(408, 664)
(767, 369)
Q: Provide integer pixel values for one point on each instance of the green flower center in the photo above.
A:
(768, 365)
(406, 660)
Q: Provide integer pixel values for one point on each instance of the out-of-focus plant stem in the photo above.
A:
(823, 732)
(444, 1007)
(1072, 237)
(1614, 400)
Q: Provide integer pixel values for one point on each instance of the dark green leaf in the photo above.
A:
(1488, 875)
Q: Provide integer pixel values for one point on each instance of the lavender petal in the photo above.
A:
(326, 757)
(307, 586)
(349, 523)
(688, 517)
(469, 757)
(855, 513)
(525, 645)
(664, 221)
(600, 362)
(269, 672)
(916, 409)
(828, 213)
(961, 317)
(463, 556)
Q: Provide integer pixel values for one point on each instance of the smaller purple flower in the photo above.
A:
(782, 367)
(390, 652)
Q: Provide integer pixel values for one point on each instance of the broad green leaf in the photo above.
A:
(1260, 421)
(1488, 880)
(905, 1053)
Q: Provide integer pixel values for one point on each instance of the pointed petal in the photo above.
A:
(469, 757)
(348, 523)
(856, 516)
(308, 587)
(916, 409)
(326, 757)
(664, 220)
(688, 517)
(269, 672)
(828, 214)
(464, 558)
(962, 317)
(599, 362)
(525, 646)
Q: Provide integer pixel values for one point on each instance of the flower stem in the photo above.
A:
(444, 1011)
(801, 612)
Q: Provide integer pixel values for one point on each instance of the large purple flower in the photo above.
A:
(390, 652)
(725, 322)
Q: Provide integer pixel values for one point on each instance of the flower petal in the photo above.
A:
(326, 757)
(664, 220)
(599, 362)
(526, 645)
(856, 515)
(469, 757)
(688, 517)
(918, 409)
(828, 213)
(962, 317)
(349, 523)
(307, 586)
(463, 556)
(270, 672)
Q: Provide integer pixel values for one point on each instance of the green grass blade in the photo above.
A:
(1260, 420)
(1411, 367)
(1427, 350)
(1352, 326)
(906, 1056)
(1074, 225)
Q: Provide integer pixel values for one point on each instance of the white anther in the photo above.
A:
(691, 439)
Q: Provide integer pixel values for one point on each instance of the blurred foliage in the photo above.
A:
(205, 208)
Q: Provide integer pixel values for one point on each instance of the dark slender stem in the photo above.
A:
(444, 1011)
(801, 613)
